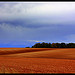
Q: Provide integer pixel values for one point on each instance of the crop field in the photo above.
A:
(37, 60)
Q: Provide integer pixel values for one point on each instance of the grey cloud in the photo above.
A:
(21, 22)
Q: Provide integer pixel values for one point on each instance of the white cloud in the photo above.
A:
(56, 12)
(35, 41)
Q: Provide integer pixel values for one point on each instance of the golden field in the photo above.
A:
(37, 60)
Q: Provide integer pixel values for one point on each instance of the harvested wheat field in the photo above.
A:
(37, 60)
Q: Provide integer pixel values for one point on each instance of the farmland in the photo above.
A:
(37, 60)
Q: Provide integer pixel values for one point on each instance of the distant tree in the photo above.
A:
(37, 45)
(43, 45)
(68, 45)
(57, 45)
(63, 45)
(49, 45)
(54, 45)
(46, 45)
(27, 47)
(71, 45)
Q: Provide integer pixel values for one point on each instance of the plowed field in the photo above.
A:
(37, 60)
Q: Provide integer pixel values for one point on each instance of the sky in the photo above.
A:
(22, 24)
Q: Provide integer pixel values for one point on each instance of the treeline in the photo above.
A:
(53, 45)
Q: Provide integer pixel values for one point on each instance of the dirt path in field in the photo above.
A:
(36, 65)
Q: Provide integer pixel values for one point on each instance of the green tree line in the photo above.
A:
(54, 45)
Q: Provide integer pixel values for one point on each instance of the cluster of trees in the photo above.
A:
(53, 45)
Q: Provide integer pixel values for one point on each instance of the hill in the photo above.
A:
(59, 53)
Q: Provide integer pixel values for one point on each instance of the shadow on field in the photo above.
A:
(22, 50)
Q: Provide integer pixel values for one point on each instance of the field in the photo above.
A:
(37, 60)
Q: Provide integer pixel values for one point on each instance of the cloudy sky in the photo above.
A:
(23, 24)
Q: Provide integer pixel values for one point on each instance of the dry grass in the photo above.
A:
(37, 60)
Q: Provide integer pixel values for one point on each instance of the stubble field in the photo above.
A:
(37, 60)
